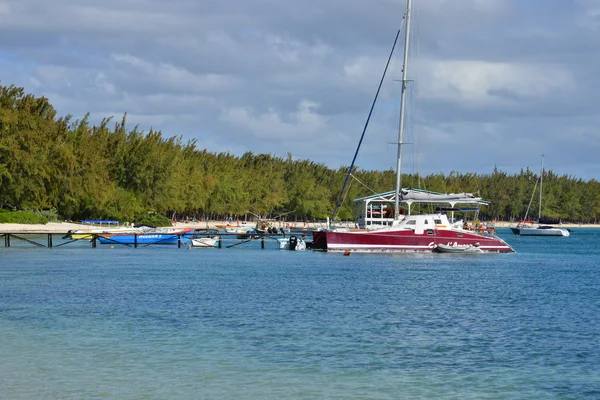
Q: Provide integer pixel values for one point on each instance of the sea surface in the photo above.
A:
(162, 322)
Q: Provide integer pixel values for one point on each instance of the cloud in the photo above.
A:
(304, 124)
(489, 78)
(482, 84)
(589, 14)
(171, 77)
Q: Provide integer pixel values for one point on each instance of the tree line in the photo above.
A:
(106, 171)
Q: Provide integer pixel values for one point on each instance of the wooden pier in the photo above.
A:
(49, 239)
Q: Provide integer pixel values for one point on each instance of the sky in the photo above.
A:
(492, 83)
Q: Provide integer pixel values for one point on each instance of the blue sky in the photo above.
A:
(494, 82)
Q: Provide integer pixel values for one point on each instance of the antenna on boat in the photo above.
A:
(402, 107)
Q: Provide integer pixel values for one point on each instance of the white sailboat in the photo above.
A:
(528, 228)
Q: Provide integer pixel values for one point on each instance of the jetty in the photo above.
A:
(60, 239)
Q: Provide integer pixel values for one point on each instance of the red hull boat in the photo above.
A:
(413, 233)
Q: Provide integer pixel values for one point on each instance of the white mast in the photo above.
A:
(402, 106)
(541, 182)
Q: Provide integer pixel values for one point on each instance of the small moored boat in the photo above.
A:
(458, 248)
(292, 243)
(204, 242)
(97, 226)
(158, 236)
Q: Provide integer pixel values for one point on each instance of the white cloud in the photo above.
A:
(303, 124)
(465, 7)
(484, 84)
(5, 8)
(173, 76)
(363, 72)
(590, 14)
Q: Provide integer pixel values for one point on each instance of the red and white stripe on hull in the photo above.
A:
(402, 239)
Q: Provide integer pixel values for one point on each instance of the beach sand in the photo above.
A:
(64, 227)
(50, 227)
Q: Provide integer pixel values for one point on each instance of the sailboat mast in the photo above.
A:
(541, 182)
(402, 106)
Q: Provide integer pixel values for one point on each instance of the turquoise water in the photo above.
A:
(251, 323)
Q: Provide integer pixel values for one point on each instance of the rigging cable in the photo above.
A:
(530, 200)
(358, 180)
(340, 198)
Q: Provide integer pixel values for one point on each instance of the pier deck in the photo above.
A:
(60, 239)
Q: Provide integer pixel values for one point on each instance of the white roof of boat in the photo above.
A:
(424, 196)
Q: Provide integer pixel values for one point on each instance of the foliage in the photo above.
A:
(82, 171)
(50, 215)
(21, 217)
(153, 219)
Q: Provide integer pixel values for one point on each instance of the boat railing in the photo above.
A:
(481, 229)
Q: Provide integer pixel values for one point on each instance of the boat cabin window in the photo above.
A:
(411, 222)
(426, 221)
(437, 221)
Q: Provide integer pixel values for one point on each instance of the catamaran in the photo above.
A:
(406, 232)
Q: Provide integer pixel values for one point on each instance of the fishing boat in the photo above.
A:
(527, 227)
(406, 232)
(156, 236)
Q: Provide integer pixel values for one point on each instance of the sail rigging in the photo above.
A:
(338, 203)
(405, 231)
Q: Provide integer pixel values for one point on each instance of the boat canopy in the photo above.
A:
(375, 211)
(422, 196)
(410, 196)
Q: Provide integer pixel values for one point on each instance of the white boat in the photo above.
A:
(457, 248)
(292, 243)
(523, 229)
(205, 242)
(529, 228)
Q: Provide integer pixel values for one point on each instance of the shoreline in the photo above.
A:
(64, 227)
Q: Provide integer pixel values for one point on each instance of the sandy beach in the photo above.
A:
(64, 227)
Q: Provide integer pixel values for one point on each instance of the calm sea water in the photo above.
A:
(251, 323)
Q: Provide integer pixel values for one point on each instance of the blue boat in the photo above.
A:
(162, 236)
